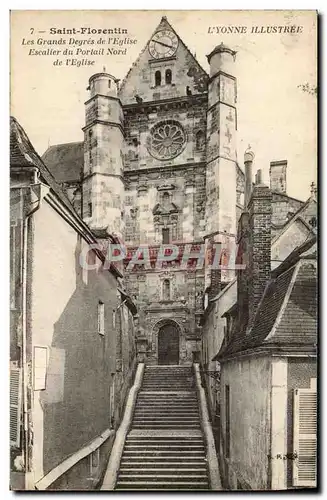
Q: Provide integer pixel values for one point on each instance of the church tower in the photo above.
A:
(221, 153)
(103, 187)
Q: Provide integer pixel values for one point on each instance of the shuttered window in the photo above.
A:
(15, 406)
(305, 436)
(13, 267)
(101, 318)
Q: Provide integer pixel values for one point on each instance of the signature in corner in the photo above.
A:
(281, 456)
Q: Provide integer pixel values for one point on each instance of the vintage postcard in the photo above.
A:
(163, 250)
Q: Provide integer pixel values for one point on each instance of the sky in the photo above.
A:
(275, 116)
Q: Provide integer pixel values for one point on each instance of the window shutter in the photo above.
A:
(15, 406)
(305, 437)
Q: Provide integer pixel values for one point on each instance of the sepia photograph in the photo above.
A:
(163, 250)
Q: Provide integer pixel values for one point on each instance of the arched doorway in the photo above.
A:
(168, 344)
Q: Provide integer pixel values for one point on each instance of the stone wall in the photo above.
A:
(79, 399)
(249, 382)
(213, 336)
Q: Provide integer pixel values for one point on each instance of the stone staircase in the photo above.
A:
(164, 449)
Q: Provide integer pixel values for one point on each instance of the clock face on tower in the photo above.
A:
(164, 43)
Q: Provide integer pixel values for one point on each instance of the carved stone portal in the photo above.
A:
(168, 342)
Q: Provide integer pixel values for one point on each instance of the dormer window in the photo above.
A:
(157, 78)
(168, 76)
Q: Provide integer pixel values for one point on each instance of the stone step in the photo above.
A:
(168, 414)
(143, 485)
(169, 369)
(156, 440)
(157, 398)
(162, 446)
(180, 396)
(175, 378)
(182, 403)
(165, 441)
(156, 457)
(179, 410)
(163, 397)
(184, 449)
(171, 386)
(164, 470)
(170, 402)
(157, 425)
(165, 421)
(164, 458)
(168, 407)
(168, 395)
(183, 384)
(163, 453)
(154, 465)
(171, 410)
(154, 478)
(164, 388)
(169, 418)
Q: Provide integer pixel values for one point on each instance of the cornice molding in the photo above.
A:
(154, 106)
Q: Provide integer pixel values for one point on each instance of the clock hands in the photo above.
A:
(164, 44)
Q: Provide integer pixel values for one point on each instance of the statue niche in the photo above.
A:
(165, 218)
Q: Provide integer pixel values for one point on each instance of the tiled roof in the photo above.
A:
(23, 154)
(287, 313)
(298, 324)
(279, 195)
(65, 161)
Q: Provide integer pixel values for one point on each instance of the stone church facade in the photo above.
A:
(158, 166)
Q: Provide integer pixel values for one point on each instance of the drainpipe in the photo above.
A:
(24, 330)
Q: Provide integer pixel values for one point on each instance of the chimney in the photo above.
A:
(258, 177)
(259, 248)
(278, 176)
(248, 160)
(242, 274)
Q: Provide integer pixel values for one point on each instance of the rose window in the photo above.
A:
(166, 140)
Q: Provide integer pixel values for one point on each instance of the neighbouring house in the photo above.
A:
(268, 362)
(292, 222)
(72, 351)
